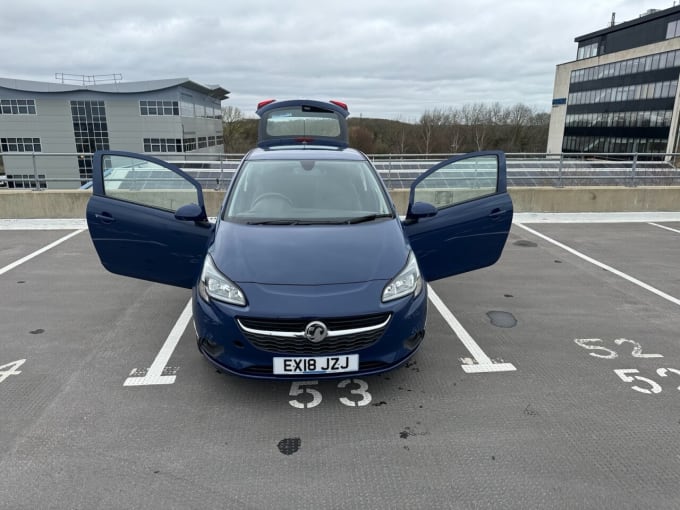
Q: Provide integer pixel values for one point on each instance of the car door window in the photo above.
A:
(459, 181)
(146, 183)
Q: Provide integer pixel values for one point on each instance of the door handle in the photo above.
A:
(105, 217)
(496, 214)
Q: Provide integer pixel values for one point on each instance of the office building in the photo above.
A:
(620, 95)
(66, 123)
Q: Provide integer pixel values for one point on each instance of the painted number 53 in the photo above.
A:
(300, 388)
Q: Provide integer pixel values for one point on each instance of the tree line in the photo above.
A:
(446, 130)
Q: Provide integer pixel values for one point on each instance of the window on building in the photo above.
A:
(189, 144)
(20, 145)
(159, 107)
(587, 51)
(186, 105)
(663, 60)
(162, 145)
(673, 29)
(632, 92)
(202, 142)
(17, 107)
(26, 181)
(90, 131)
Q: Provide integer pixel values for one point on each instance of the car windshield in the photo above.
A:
(306, 191)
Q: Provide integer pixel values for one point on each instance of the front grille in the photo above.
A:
(271, 342)
(334, 323)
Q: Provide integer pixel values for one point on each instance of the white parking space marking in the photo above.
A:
(612, 270)
(43, 224)
(38, 252)
(666, 228)
(484, 363)
(155, 373)
(600, 217)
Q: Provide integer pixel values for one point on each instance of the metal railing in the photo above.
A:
(40, 170)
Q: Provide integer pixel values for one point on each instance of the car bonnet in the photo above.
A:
(310, 254)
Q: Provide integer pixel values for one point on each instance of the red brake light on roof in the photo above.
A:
(265, 103)
(340, 104)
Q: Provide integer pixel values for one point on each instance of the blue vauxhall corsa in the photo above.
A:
(308, 271)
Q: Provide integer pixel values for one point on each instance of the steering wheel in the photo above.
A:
(267, 196)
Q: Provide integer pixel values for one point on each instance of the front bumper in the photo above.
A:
(225, 344)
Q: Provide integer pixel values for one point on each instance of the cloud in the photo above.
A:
(386, 59)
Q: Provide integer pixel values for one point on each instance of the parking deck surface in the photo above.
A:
(550, 380)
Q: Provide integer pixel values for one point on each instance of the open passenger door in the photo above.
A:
(147, 219)
(459, 214)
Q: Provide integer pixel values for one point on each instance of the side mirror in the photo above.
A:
(421, 210)
(191, 212)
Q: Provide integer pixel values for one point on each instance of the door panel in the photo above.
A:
(131, 217)
(474, 215)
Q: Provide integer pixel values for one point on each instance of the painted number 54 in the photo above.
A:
(10, 369)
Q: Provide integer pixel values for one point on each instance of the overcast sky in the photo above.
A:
(388, 59)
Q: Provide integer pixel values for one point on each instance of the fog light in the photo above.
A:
(212, 348)
(413, 341)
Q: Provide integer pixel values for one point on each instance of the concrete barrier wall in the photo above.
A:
(20, 204)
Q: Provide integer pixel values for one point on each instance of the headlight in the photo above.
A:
(406, 282)
(215, 285)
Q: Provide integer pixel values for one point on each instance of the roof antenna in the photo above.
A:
(613, 19)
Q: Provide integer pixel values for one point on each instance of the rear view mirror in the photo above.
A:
(421, 210)
(191, 212)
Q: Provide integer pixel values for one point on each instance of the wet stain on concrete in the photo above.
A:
(37, 332)
(411, 431)
(21, 281)
(530, 411)
(508, 295)
(378, 404)
(502, 319)
(289, 445)
(525, 244)
(411, 365)
(558, 262)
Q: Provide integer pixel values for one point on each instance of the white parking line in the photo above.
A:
(605, 217)
(157, 372)
(43, 224)
(666, 228)
(484, 363)
(623, 275)
(38, 252)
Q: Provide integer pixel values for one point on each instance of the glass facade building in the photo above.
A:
(620, 94)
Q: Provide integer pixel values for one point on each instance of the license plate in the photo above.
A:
(316, 365)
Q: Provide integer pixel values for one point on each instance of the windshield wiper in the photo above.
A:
(273, 222)
(368, 217)
(344, 221)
